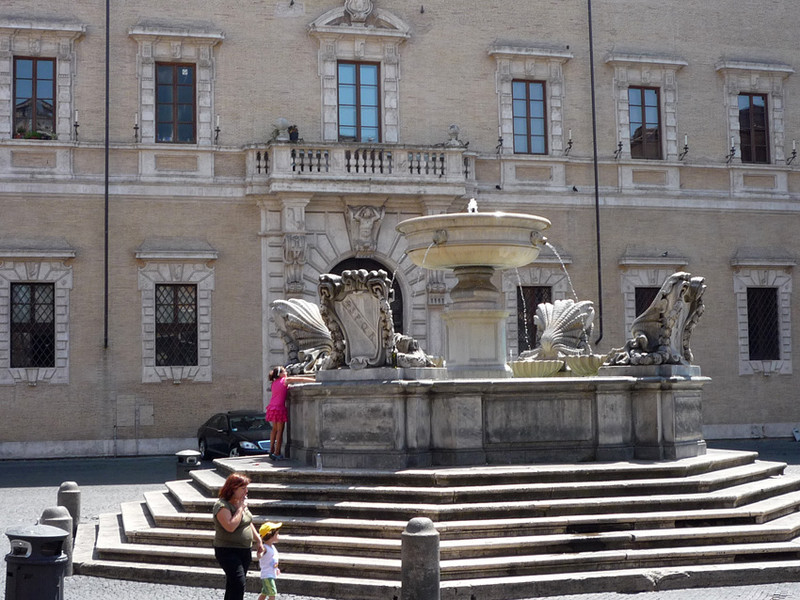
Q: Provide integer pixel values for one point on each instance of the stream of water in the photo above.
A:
(563, 268)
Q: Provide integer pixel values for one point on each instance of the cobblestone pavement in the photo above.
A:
(28, 487)
(92, 588)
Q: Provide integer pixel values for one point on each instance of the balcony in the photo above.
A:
(337, 168)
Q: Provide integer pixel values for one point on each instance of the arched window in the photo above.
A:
(396, 305)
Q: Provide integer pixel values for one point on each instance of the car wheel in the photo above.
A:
(234, 451)
(203, 449)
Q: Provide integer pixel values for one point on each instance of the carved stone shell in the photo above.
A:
(300, 321)
(565, 327)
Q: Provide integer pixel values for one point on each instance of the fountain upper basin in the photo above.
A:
(490, 239)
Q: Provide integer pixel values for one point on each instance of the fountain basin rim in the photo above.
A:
(468, 220)
(492, 239)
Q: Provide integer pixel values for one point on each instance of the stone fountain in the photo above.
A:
(378, 403)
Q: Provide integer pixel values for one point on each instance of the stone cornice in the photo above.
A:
(156, 33)
(36, 248)
(760, 258)
(61, 29)
(513, 50)
(330, 24)
(658, 60)
(727, 65)
(176, 249)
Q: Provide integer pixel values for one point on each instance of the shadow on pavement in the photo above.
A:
(87, 471)
(776, 449)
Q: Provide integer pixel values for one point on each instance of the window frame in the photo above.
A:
(36, 261)
(359, 105)
(52, 39)
(377, 38)
(752, 273)
(649, 150)
(531, 63)
(529, 119)
(745, 76)
(176, 104)
(752, 130)
(186, 45)
(178, 261)
(34, 97)
(653, 71)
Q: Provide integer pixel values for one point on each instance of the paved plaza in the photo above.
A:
(28, 487)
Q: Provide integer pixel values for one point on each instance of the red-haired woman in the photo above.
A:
(234, 534)
(276, 411)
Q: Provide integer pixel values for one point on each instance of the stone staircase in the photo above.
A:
(505, 531)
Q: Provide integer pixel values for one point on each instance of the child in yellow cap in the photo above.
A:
(269, 560)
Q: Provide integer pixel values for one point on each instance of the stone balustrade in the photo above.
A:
(276, 159)
(314, 167)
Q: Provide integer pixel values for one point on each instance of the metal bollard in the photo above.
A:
(69, 496)
(420, 561)
(58, 516)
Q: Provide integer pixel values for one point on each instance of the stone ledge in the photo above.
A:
(648, 371)
(382, 374)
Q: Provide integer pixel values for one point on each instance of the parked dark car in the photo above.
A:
(234, 433)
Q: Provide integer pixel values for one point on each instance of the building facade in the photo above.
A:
(165, 178)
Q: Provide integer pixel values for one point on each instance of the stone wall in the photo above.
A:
(273, 232)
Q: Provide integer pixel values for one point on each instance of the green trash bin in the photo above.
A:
(36, 565)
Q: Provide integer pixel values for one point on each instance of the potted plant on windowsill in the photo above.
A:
(38, 135)
(294, 134)
(24, 134)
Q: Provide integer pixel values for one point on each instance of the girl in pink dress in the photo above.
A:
(276, 410)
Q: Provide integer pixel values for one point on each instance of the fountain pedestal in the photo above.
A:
(475, 326)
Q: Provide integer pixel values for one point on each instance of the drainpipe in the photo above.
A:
(105, 193)
(596, 183)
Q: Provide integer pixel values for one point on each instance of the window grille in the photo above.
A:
(176, 325)
(643, 298)
(33, 332)
(762, 323)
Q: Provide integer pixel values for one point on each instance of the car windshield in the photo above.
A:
(249, 423)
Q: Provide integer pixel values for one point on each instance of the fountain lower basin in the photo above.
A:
(402, 424)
